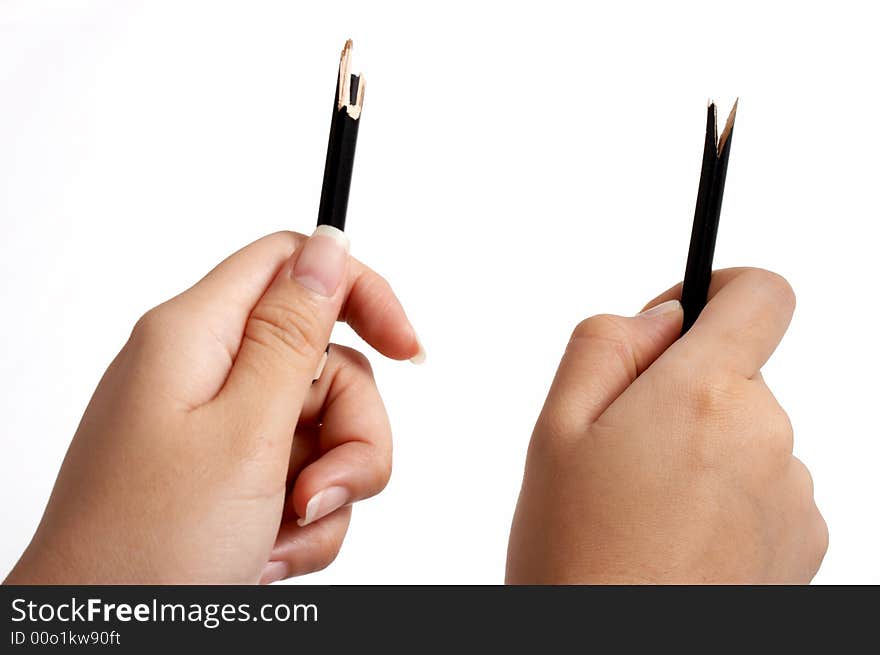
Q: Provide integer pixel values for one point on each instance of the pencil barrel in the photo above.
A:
(707, 214)
(338, 170)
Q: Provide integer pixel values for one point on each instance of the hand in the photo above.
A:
(206, 439)
(658, 460)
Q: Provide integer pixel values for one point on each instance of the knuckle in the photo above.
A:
(329, 543)
(816, 536)
(375, 296)
(773, 284)
(601, 326)
(609, 332)
(553, 442)
(154, 326)
(149, 322)
(551, 427)
(375, 459)
(712, 399)
(373, 284)
(284, 240)
(289, 237)
(324, 559)
(822, 538)
(804, 485)
(782, 433)
(383, 469)
(354, 359)
(717, 426)
(287, 327)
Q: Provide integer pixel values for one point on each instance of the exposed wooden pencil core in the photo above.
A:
(344, 98)
(728, 127)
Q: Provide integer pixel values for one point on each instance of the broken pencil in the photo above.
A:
(698, 272)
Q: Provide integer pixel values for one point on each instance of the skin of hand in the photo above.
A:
(666, 460)
(207, 454)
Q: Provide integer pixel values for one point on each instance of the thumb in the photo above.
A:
(604, 356)
(286, 335)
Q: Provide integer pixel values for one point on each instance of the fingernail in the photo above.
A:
(322, 262)
(419, 357)
(273, 572)
(323, 503)
(663, 308)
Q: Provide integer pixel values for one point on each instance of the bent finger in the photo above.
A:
(299, 550)
(354, 438)
(604, 356)
(225, 297)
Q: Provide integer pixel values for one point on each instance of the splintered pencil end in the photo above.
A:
(728, 128)
(345, 99)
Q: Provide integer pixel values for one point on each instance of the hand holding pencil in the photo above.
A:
(664, 461)
(207, 455)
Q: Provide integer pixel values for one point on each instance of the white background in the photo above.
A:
(520, 167)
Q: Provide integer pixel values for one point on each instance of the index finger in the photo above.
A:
(354, 438)
(229, 293)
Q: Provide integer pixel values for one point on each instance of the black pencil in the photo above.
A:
(347, 104)
(698, 272)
